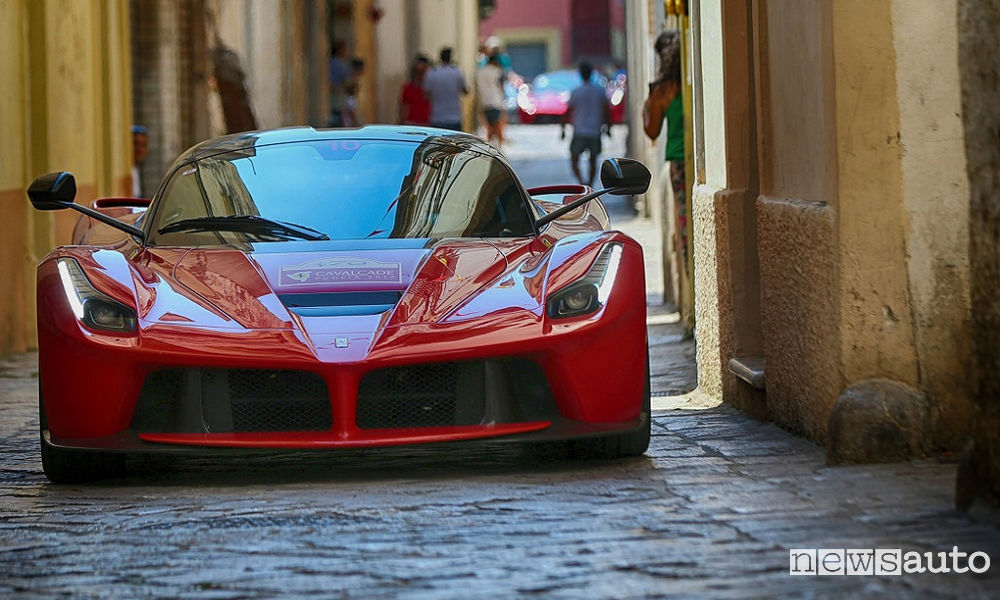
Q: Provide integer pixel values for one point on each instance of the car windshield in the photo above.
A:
(340, 190)
(564, 81)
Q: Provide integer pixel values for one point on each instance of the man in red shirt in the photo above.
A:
(414, 107)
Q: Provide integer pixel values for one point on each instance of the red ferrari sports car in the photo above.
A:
(319, 289)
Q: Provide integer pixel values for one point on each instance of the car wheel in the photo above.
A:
(632, 443)
(79, 466)
(74, 466)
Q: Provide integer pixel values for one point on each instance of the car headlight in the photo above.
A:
(591, 291)
(95, 309)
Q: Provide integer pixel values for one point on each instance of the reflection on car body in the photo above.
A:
(304, 289)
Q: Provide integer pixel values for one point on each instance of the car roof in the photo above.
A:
(402, 133)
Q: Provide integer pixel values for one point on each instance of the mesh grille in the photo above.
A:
(232, 400)
(278, 401)
(412, 396)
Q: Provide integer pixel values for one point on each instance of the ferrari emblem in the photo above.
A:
(301, 276)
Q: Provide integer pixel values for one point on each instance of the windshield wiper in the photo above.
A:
(246, 224)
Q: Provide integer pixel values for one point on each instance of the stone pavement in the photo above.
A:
(711, 510)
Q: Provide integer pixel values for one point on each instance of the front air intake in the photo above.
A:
(453, 394)
(232, 401)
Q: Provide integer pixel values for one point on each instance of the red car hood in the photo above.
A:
(227, 288)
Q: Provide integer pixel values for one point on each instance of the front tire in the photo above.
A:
(620, 445)
(79, 466)
(74, 466)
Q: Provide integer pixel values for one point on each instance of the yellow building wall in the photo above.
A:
(797, 214)
(15, 232)
(862, 217)
(877, 338)
(936, 196)
(65, 105)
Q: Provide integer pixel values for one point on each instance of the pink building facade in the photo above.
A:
(554, 34)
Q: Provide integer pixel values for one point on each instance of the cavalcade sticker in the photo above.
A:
(340, 270)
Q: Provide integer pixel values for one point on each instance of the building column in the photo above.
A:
(979, 67)
(727, 275)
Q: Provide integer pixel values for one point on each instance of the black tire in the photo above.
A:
(74, 466)
(79, 466)
(620, 445)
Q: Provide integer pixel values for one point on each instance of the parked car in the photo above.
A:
(546, 98)
(304, 289)
(617, 90)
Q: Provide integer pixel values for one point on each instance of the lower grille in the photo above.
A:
(278, 401)
(417, 396)
(232, 401)
(454, 394)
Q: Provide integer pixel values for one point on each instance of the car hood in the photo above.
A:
(344, 288)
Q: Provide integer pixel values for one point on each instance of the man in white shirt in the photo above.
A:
(489, 86)
(445, 85)
(590, 114)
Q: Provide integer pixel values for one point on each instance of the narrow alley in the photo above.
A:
(713, 507)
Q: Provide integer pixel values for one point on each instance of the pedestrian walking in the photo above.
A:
(494, 46)
(489, 89)
(445, 85)
(414, 107)
(339, 74)
(590, 114)
(350, 116)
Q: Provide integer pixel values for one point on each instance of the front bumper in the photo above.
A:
(194, 444)
(593, 366)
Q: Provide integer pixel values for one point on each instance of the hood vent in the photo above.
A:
(340, 304)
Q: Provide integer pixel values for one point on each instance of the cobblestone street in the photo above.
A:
(711, 510)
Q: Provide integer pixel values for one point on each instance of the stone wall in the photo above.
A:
(935, 192)
(853, 124)
(979, 63)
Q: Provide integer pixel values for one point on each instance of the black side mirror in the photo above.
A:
(627, 177)
(53, 191)
(620, 176)
(56, 191)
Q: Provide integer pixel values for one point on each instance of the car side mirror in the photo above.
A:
(619, 176)
(56, 191)
(53, 191)
(627, 177)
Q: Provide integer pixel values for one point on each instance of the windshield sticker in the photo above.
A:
(339, 149)
(340, 270)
